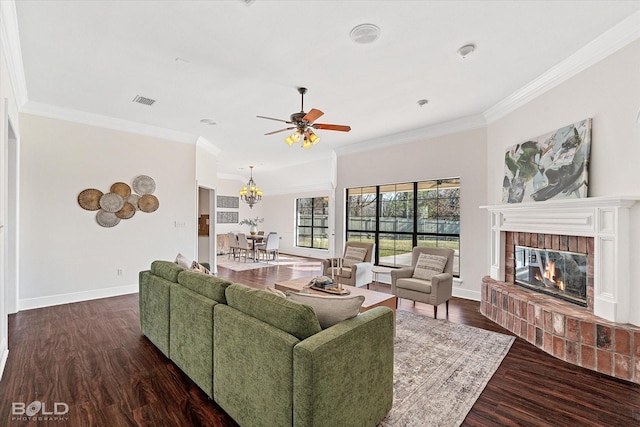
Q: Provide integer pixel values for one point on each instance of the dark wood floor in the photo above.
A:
(92, 356)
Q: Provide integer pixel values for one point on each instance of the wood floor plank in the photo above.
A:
(93, 357)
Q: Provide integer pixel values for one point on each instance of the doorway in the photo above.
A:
(207, 227)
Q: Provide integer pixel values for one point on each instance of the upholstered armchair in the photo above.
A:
(430, 282)
(356, 264)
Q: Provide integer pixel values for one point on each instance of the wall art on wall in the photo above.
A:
(227, 217)
(228, 202)
(120, 202)
(551, 166)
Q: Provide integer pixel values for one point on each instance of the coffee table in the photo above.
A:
(371, 298)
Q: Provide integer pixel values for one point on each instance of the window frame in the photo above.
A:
(417, 234)
(312, 225)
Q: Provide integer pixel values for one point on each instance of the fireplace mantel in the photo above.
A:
(606, 219)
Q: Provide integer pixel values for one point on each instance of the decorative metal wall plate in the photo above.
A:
(107, 219)
(148, 203)
(89, 199)
(111, 202)
(144, 184)
(127, 211)
(121, 188)
(133, 199)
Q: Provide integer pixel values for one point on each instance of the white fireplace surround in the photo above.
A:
(606, 219)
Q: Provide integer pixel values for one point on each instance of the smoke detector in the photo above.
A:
(365, 33)
(466, 50)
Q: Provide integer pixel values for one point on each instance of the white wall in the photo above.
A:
(8, 287)
(460, 154)
(70, 257)
(608, 92)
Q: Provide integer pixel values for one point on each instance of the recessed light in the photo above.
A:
(209, 122)
(422, 102)
(365, 33)
(466, 50)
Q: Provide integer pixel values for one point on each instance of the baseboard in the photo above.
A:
(466, 294)
(30, 303)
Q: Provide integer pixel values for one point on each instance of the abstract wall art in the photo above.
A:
(551, 166)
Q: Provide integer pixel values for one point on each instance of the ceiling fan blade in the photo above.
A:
(277, 120)
(281, 130)
(312, 115)
(341, 128)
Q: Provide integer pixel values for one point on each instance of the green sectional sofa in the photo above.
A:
(264, 359)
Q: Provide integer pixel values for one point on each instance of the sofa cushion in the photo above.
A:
(196, 266)
(353, 255)
(428, 266)
(275, 291)
(182, 261)
(330, 309)
(412, 284)
(346, 272)
(167, 270)
(205, 284)
(296, 319)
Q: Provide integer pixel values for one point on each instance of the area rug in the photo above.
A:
(284, 260)
(440, 369)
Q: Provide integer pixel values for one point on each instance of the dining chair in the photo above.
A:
(244, 246)
(233, 245)
(270, 247)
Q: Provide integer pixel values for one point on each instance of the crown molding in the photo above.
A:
(83, 117)
(10, 40)
(230, 177)
(208, 146)
(323, 186)
(602, 46)
(440, 129)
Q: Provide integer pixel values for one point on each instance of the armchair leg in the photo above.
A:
(447, 305)
(435, 311)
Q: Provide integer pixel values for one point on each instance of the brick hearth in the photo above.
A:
(564, 330)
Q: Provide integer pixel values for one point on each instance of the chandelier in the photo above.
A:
(250, 193)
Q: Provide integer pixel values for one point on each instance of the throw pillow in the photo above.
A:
(428, 266)
(275, 291)
(353, 256)
(182, 261)
(196, 266)
(329, 309)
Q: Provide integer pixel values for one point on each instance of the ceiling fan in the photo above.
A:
(303, 122)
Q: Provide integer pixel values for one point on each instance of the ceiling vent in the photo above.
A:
(142, 100)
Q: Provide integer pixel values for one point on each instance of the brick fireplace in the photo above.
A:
(596, 337)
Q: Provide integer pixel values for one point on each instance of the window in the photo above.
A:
(312, 222)
(397, 217)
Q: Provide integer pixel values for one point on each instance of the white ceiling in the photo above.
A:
(229, 61)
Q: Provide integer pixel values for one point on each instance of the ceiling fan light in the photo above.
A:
(313, 138)
(307, 143)
(289, 140)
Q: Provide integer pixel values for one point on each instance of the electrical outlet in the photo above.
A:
(119, 271)
(179, 224)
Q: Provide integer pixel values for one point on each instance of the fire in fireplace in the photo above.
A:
(560, 274)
